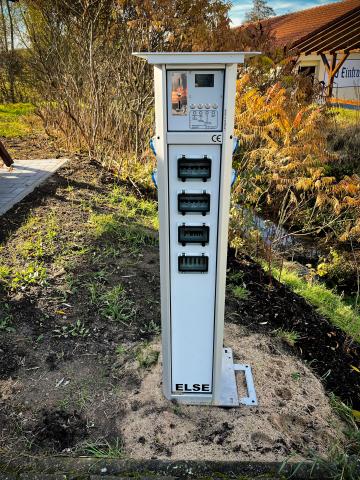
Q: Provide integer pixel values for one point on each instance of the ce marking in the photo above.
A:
(216, 138)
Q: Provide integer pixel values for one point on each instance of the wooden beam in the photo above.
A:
(333, 69)
(354, 47)
(325, 61)
(331, 75)
(336, 31)
(324, 30)
(340, 63)
(336, 41)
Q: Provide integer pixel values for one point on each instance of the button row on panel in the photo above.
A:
(206, 105)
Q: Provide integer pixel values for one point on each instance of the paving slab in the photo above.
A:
(24, 177)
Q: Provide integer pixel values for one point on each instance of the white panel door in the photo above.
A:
(195, 100)
(193, 293)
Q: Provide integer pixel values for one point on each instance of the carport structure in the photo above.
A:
(337, 40)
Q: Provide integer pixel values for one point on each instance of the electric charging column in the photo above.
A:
(194, 120)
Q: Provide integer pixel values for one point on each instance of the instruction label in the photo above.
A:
(203, 119)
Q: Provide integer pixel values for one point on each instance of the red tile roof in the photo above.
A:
(292, 27)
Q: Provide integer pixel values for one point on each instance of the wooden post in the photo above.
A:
(333, 69)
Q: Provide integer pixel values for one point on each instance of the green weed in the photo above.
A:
(289, 337)
(133, 207)
(42, 237)
(116, 306)
(296, 376)
(6, 318)
(94, 290)
(64, 404)
(72, 284)
(5, 274)
(31, 248)
(83, 398)
(338, 465)
(120, 350)
(78, 329)
(51, 227)
(115, 195)
(346, 116)
(344, 411)
(34, 274)
(147, 357)
(100, 276)
(113, 227)
(151, 328)
(240, 292)
(128, 206)
(105, 449)
(235, 278)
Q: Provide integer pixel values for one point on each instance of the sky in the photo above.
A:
(237, 12)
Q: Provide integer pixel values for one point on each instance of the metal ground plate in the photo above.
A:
(229, 392)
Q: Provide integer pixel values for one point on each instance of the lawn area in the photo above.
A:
(17, 120)
(346, 116)
(327, 302)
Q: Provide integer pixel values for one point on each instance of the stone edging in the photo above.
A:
(70, 468)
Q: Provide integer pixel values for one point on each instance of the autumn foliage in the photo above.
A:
(286, 165)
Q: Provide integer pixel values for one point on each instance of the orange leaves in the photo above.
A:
(297, 119)
(321, 199)
(286, 145)
(304, 184)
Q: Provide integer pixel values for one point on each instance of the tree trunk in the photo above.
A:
(12, 55)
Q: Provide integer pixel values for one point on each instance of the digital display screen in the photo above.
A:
(204, 79)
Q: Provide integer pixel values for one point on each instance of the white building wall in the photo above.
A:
(346, 89)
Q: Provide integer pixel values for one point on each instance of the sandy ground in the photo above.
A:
(293, 415)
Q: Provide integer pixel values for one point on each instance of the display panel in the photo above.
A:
(204, 79)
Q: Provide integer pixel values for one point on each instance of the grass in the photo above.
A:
(327, 302)
(78, 329)
(105, 449)
(116, 306)
(240, 292)
(112, 227)
(14, 119)
(147, 357)
(288, 337)
(341, 462)
(14, 279)
(6, 318)
(346, 116)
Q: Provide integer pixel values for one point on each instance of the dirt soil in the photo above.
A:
(271, 305)
(101, 386)
(33, 147)
(293, 413)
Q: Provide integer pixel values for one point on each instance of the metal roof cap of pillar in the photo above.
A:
(176, 58)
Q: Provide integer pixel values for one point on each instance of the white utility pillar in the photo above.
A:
(194, 121)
